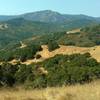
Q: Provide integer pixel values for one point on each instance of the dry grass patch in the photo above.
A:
(94, 51)
(78, 92)
(66, 50)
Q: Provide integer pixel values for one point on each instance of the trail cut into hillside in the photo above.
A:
(94, 51)
(22, 45)
(66, 50)
(73, 31)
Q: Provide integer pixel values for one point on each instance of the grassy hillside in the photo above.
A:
(76, 92)
(86, 37)
(59, 60)
(56, 71)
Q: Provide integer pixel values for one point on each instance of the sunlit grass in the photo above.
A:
(78, 92)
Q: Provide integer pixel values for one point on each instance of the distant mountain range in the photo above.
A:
(50, 16)
(19, 27)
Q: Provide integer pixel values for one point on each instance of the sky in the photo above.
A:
(16, 7)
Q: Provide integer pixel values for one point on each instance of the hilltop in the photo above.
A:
(50, 16)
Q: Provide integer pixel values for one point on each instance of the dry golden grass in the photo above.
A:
(78, 92)
(94, 51)
(66, 50)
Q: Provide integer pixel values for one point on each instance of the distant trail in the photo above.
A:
(29, 39)
(22, 45)
(74, 31)
(33, 38)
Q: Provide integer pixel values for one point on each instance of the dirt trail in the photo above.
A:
(22, 45)
(94, 51)
(66, 50)
(73, 31)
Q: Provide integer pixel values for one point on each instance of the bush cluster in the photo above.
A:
(57, 71)
(21, 54)
(52, 45)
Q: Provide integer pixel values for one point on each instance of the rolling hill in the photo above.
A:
(40, 54)
(16, 28)
(82, 40)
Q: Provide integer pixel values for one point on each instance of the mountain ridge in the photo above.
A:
(16, 28)
(48, 16)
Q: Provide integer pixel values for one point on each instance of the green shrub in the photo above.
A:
(8, 74)
(52, 45)
(23, 73)
(61, 70)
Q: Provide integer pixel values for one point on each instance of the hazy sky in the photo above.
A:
(15, 7)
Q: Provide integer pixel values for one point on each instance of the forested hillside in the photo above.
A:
(19, 29)
(85, 37)
(16, 28)
(22, 39)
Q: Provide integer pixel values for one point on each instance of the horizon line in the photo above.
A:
(46, 10)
